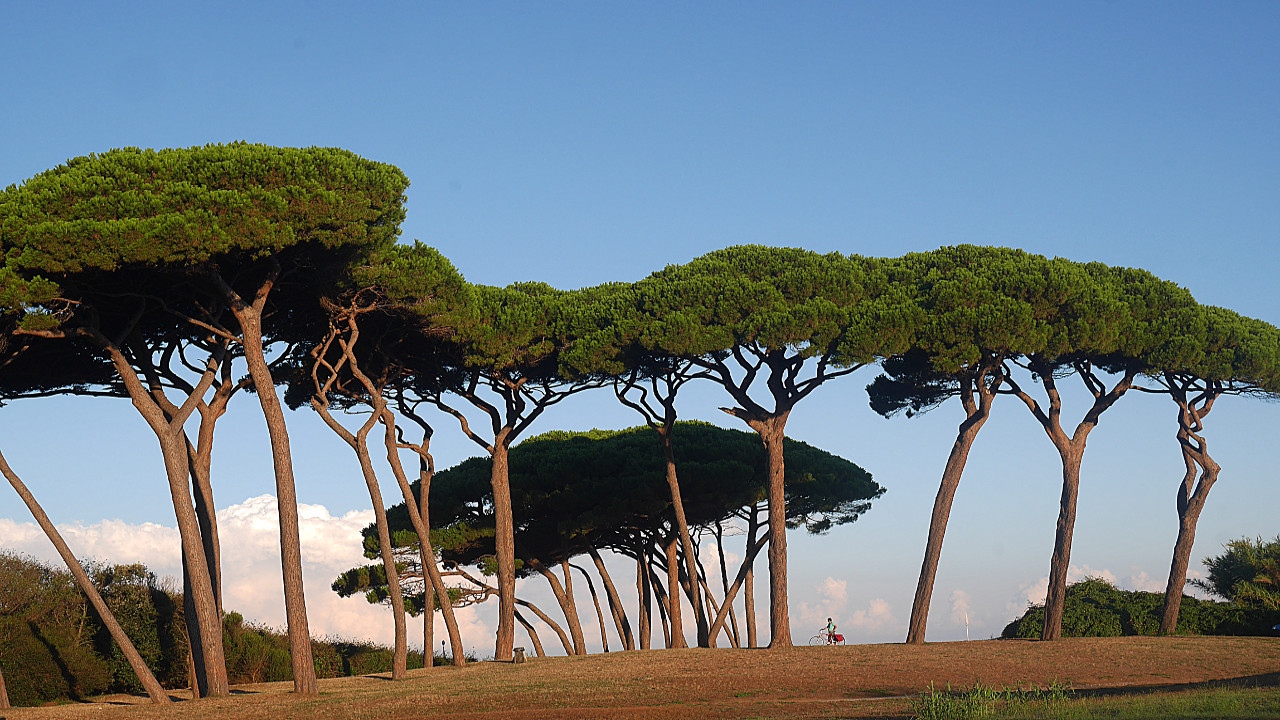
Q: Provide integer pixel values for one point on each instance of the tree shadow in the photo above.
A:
(1244, 681)
(67, 675)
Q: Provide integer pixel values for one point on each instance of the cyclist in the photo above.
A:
(831, 631)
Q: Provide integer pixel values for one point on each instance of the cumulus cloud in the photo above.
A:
(878, 615)
(252, 584)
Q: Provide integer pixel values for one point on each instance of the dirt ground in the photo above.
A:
(837, 682)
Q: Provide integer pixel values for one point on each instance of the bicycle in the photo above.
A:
(825, 638)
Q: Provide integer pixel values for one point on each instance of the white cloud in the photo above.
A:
(960, 607)
(878, 615)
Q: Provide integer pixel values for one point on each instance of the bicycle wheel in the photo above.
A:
(818, 640)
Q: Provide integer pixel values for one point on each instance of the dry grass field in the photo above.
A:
(839, 682)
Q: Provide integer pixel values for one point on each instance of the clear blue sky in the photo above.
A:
(577, 143)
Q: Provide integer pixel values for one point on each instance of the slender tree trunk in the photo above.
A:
(743, 572)
(663, 604)
(644, 609)
(148, 680)
(400, 653)
(591, 587)
(564, 638)
(620, 620)
(572, 607)
(505, 549)
(976, 415)
(420, 518)
(1055, 600)
(682, 528)
(674, 611)
(771, 433)
(533, 635)
(749, 592)
(566, 604)
(1192, 495)
(724, 585)
(295, 603)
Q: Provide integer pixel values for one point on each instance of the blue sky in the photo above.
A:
(578, 143)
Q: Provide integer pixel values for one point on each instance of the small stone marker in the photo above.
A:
(519, 655)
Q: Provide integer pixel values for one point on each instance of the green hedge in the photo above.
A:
(1096, 608)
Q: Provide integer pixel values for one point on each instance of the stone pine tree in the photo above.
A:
(219, 241)
(1110, 319)
(980, 310)
(505, 350)
(770, 326)
(1211, 352)
(376, 325)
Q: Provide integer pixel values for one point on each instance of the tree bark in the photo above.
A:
(595, 599)
(771, 432)
(504, 549)
(749, 591)
(1056, 599)
(1192, 495)
(620, 620)
(533, 635)
(420, 518)
(644, 595)
(976, 414)
(674, 611)
(682, 528)
(295, 603)
(145, 676)
(566, 604)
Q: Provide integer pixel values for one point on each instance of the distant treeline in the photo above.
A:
(53, 646)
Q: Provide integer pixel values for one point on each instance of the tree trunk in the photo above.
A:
(771, 432)
(504, 549)
(533, 635)
(620, 620)
(749, 592)
(645, 602)
(1055, 600)
(4, 693)
(564, 639)
(674, 611)
(400, 653)
(148, 680)
(724, 585)
(743, 572)
(566, 604)
(1191, 498)
(595, 599)
(976, 415)
(682, 527)
(295, 604)
(420, 518)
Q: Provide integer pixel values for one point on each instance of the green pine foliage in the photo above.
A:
(1096, 608)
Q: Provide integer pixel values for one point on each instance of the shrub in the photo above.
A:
(1096, 608)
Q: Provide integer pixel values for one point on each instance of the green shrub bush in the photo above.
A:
(1096, 608)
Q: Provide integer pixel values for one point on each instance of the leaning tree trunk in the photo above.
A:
(533, 635)
(749, 584)
(620, 620)
(1055, 599)
(976, 415)
(595, 599)
(148, 680)
(566, 604)
(295, 603)
(682, 527)
(420, 518)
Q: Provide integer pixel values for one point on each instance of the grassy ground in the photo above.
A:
(860, 681)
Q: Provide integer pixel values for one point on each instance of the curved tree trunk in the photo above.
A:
(744, 571)
(295, 603)
(1191, 497)
(400, 654)
(533, 635)
(148, 680)
(620, 620)
(595, 599)
(976, 415)
(566, 604)
(419, 517)
(682, 528)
